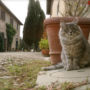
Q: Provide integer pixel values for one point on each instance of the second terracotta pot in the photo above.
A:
(45, 52)
(52, 26)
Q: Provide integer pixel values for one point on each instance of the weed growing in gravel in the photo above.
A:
(21, 76)
(63, 86)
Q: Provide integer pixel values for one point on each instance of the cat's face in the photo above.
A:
(70, 30)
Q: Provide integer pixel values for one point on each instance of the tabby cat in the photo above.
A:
(75, 48)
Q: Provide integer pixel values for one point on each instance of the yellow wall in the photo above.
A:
(61, 8)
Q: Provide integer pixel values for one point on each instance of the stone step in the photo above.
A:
(46, 78)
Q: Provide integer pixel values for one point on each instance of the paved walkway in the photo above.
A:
(47, 77)
(22, 56)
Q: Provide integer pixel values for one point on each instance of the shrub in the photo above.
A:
(43, 44)
(10, 34)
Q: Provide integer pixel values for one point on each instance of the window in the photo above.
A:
(16, 43)
(17, 26)
(11, 21)
(2, 15)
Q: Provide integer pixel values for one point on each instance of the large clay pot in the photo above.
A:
(52, 26)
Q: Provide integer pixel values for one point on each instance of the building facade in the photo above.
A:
(7, 17)
(56, 7)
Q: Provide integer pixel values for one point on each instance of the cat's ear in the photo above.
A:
(62, 24)
(75, 20)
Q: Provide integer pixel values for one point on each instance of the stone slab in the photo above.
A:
(84, 87)
(45, 78)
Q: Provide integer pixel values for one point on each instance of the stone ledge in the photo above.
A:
(45, 78)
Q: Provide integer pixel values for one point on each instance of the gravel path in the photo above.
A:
(22, 56)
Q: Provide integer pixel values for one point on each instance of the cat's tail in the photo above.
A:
(53, 67)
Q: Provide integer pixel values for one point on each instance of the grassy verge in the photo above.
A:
(64, 86)
(21, 76)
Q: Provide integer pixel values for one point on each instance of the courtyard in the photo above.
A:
(22, 71)
(42, 20)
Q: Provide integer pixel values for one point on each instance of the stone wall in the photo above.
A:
(54, 10)
(3, 28)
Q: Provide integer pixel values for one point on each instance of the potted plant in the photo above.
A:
(43, 45)
(73, 9)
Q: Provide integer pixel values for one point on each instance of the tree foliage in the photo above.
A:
(23, 46)
(75, 8)
(33, 27)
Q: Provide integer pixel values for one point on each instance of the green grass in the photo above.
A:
(23, 76)
(88, 88)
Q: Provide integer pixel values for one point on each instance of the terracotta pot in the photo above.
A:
(45, 52)
(52, 26)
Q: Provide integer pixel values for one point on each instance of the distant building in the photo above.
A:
(7, 17)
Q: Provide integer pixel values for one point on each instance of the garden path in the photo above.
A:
(22, 56)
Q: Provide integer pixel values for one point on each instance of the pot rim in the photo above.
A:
(56, 20)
